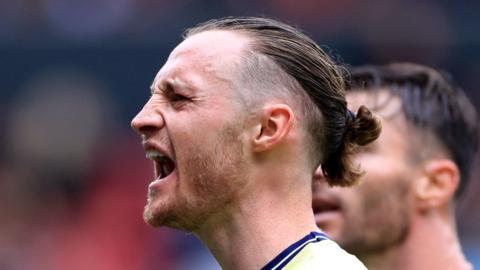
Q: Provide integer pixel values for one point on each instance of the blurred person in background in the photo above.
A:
(52, 130)
(241, 114)
(64, 187)
(401, 215)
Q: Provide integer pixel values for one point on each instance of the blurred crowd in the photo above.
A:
(73, 176)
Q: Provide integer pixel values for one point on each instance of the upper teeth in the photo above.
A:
(155, 155)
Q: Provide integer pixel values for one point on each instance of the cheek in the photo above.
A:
(353, 202)
(193, 124)
(383, 195)
(382, 167)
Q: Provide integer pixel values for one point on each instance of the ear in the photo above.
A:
(438, 183)
(275, 123)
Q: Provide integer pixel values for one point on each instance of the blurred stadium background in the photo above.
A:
(73, 73)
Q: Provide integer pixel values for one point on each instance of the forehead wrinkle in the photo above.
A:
(168, 78)
(206, 72)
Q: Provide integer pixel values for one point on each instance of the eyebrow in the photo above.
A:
(170, 84)
(167, 85)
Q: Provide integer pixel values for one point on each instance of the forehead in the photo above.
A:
(212, 43)
(396, 133)
(380, 101)
(205, 55)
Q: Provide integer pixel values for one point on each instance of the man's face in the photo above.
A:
(375, 214)
(191, 128)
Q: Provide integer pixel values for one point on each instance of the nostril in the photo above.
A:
(318, 175)
(146, 130)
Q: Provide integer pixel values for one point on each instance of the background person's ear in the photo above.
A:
(275, 123)
(438, 183)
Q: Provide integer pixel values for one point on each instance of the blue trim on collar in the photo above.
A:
(290, 252)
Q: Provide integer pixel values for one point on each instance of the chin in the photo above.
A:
(162, 214)
(157, 213)
(152, 216)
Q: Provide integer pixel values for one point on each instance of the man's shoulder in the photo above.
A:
(325, 254)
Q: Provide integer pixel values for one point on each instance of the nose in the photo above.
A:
(147, 121)
(319, 180)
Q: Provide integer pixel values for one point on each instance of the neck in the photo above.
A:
(265, 222)
(432, 243)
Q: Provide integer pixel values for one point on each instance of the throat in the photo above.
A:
(256, 232)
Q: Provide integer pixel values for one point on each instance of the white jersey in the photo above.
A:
(314, 251)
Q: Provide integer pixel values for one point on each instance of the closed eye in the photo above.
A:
(177, 97)
(177, 100)
(172, 95)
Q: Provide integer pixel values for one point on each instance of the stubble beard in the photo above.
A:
(382, 223)
(215, 175)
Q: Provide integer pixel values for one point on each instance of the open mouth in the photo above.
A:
(164, 166)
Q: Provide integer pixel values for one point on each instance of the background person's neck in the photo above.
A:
(432, 243)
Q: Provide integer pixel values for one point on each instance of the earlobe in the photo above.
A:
(275, 123)
(438, 183)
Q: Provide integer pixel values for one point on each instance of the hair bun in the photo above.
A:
(362, 128)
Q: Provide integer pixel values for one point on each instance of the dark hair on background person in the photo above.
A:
(306, 69)
(432, 102)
